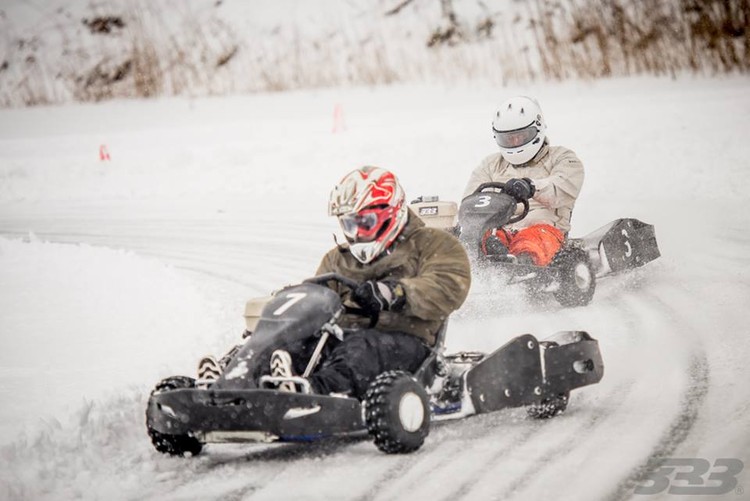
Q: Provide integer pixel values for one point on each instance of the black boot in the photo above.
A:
(495, 247)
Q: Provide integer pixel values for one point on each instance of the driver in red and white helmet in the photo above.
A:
(410, 277)
(371, 208)
(549, 177)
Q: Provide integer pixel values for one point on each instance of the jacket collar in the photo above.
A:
(412, 224)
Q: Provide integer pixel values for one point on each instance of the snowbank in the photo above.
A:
(81, 323)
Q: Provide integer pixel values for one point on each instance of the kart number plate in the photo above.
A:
(428, 211)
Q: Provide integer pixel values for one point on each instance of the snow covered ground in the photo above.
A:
(117, 273)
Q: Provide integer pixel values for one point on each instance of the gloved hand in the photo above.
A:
(376, 296)
(520, 189)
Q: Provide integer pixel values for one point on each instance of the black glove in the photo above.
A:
(376, 296)
(520, 189)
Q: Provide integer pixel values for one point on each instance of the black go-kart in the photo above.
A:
(623, 244)
(242, 402)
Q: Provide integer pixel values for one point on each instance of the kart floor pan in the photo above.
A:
(267, 413)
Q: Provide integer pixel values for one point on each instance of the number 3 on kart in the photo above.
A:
(483, 201)
(294, 297)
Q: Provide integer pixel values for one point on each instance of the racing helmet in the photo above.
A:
(370, 205)
(519, 129)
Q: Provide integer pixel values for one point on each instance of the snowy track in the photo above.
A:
(657, 378)
(673, 337)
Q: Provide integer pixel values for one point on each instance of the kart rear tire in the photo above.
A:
(397, 413)
(576, 276)
(549, 407)
(174, 445)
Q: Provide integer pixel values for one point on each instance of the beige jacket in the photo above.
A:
(431, 265)
(557, 174)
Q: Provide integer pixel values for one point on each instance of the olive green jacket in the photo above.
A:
(432, 267)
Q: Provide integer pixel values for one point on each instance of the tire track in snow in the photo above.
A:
(554, 445)
(627, 321)
(238, 261)
(654, 325)
(282, 452)
(676, 433)
(688, 413)
(264, 465)
(440, 463)
(493, 462)
(424, 464)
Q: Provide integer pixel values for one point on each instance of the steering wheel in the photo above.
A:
(327, 277)
(501, 186)
(352, 284)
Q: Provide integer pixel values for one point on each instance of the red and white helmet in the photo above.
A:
(519, 129)
(370, 205)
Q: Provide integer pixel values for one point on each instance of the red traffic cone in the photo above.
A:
(338, 119)
(103, 153)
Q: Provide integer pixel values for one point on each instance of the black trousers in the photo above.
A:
(362, 356)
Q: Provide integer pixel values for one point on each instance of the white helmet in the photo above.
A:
(519, 129)
(371, 208)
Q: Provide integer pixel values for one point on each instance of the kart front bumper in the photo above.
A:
(252, 415)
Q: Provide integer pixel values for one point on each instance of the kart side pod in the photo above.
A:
(525, 372)
(621, 245)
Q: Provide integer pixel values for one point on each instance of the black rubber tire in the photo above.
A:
(576, 276)
(397, 412)
(549, 407)
(174, 445)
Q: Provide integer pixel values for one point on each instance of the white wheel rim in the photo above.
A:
(411, 412)
(582, 276)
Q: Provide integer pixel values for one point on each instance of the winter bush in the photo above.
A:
(90, 51)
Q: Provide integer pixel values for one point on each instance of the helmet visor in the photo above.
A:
(364, 225)
(516, 138)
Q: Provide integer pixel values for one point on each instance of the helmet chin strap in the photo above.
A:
(336, 241)
(522, 165)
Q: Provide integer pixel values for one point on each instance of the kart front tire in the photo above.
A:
(577, 278)
(549, 407)
(174, 445)
(397, 413)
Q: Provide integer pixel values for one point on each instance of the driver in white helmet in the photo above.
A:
(549, 177)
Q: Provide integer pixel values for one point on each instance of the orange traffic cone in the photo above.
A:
(338, 119)
(103, 153)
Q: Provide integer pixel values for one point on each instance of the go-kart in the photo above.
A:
(571, 277)
(242, 402)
